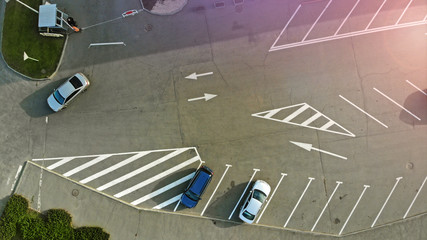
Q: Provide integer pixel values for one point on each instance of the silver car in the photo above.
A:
(62, 96)
(253, 203)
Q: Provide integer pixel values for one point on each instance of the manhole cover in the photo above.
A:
(75, 192)
(409, 165)
(148, 27)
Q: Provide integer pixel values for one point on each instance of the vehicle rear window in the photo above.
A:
(76, 82)
(247, 215)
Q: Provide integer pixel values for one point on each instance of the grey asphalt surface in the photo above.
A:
(139, 101)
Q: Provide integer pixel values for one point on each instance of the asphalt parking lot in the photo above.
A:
(325, 100)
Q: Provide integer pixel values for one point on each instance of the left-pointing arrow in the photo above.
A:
(206, 97)
(310, 147)
(194, 76)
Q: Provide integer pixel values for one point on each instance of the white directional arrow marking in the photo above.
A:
(194, 75)
(206, 97)
(310, 147)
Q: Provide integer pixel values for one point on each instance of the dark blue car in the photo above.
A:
(197, 186)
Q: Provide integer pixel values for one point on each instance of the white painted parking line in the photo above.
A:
(326, 205)
(168, 202)
(299, 200)
(406, 110)
(59, 163)
(413, 85)
(369, 115)
(347, 35)
(86, 165)
(375, 15)
(228, 166)
(114, 167)
(312, 26)
(286, 26)
(416, 195)
(348, 15)
(163, 189)
(246, 188)
(141, 169)
(406, 8)
(389, 195)
(271, 197)
(351, 213)
(157, 177)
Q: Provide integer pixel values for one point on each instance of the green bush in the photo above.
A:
(19, 222)
(16, 208)
(90, 233)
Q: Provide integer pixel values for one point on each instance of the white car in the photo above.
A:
(62, 96)
(254, 201)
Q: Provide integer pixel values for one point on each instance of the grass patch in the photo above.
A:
(20, 222)
(20, 33)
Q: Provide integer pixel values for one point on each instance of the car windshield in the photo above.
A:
(192, 195)
(58, 97)
(260, 196)
(247, 215)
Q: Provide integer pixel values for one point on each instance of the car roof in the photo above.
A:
(200, 182)
(254, 206)
(66, 89)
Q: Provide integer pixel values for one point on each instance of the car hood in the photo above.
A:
(187, 201)
(53, 104)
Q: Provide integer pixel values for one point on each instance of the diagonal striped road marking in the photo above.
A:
(168, 202)
(86, 165)
(157, 177)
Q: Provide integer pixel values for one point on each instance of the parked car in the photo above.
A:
(62, 96)
(196, 187)
(254, 201)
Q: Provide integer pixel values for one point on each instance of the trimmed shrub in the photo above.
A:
(90, 233)
(16, 208)
(32, 228)
(59, 225)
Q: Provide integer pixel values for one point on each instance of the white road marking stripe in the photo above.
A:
(271, 197)
(157, 177)
(416, 195)
(168, 202)
(311, 119)
(228, 166)
(246, 188)
(327, 125)
(283, 30)
(326, 205)
(86, 165)
(397, 22)
(16, 177)
(177, 204)
(375, 15)
(114, 154)
(389, 195)
(406, 110)
(348, 15)
(114, 167)
(351, 213)
(296, 113)
(363, 111)
(347, 35)
(271, 113)
(141, 169)
(163, 189)
(416, 87)
(59, 163)
(299, 200)
(312, 26)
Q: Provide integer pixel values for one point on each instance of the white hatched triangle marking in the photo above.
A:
(301, 108)
(86, 165)
(59, 163)
(157, 177)
(141, 169)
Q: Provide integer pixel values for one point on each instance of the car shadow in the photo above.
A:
(416, 103)
(35, 104)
